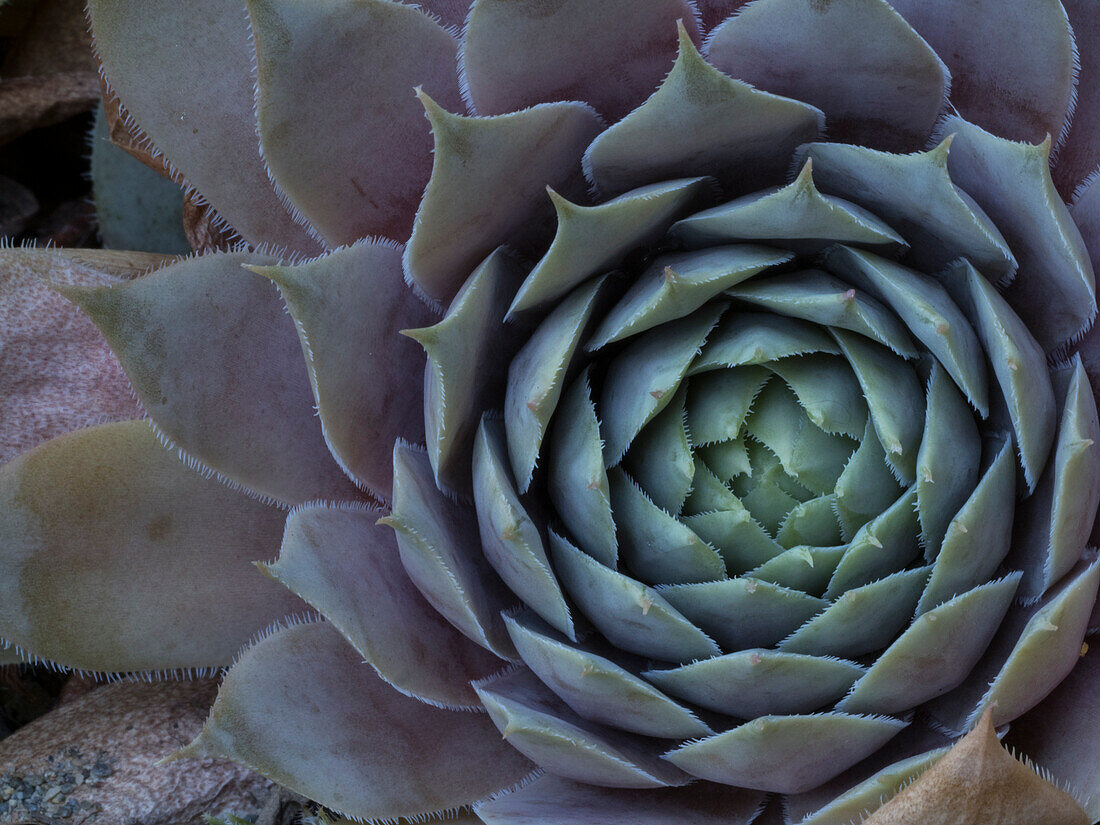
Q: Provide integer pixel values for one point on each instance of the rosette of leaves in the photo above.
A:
(722, 427)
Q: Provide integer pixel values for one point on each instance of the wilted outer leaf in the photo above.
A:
(104, 528)
(301, 708)
(979, 781)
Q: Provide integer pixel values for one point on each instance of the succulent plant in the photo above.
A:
(743, 461)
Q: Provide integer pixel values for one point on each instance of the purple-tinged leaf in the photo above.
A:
(339, 126)
(878, 83)
(611, 54)
(488, 187)
(348, 307)
(700, 122)
(183, 72)
(344, 564)
(1079, 152)
(550, 800)
(1011, 61)
(301, 708)
(215, 362)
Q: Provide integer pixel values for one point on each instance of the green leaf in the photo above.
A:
(598, 688)
(510, 539)
(700, 122)
(631, 616)
(920, 665)
(593, 239)
(786, 754)
(488, 183)
(915, 195)
(752, 683)
(440, 549)
(796, 216)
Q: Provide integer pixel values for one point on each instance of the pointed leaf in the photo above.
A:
(815, 296)
(660, 459)
(936, 653)
(915, 195)
(216, 364)
(577, 479)
(866, 487)
(510, 538)
(676, 285)
(893, 84)
(739, 539)
(754, 683)
(978, 537)
(598, 688)
(1053, 525)
(894, 398)
(654, 545)
(1019, 366)
(348, 567)
(718, 402)
(1055, 290)
(537, 376)
(947, 463)
(885, 544)
(743, 613)
(796, 216)
(1035, 649)
(786, 754)
(927, 310)
(802, 568)
(104, 528)
(827, 390)
(631, 616)
(348, 307)
(468, 356)
(488, 186)
(334, 78)
(593, 239)
(745, 338)
(438, 542)
(701, 122)
(642, 379)
(1060, 733)
(355, 744)
(863, 619)
(542, 727)
(812, 522)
